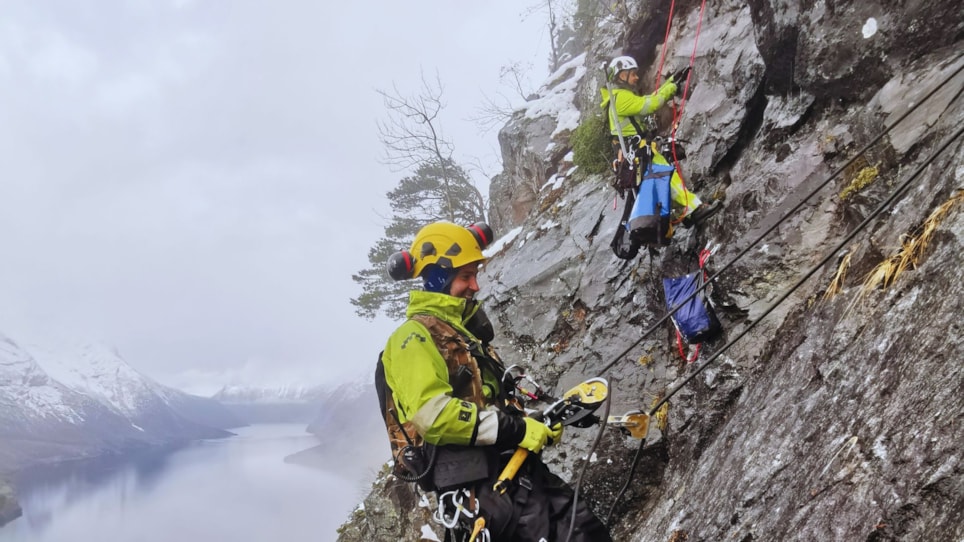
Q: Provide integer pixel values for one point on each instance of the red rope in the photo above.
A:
(678, 113)
(662, 55)
(686, 87)
(682, 354)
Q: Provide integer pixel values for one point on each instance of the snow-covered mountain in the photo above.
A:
(99, 372)
(72, 399)
(102, 373)
(40, 418)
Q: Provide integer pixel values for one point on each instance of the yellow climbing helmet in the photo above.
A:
(441, 243)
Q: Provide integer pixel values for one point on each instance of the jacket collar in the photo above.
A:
(454, 311)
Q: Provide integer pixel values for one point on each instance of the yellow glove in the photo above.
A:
(537, 433)
(555, 434)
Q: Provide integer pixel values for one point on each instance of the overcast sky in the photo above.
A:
(194, 182)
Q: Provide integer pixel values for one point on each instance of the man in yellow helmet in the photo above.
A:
(449, 414)
(626, 107)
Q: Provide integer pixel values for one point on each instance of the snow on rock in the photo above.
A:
(28, 389)
(557, 98)
(502, 242)
(428, 533)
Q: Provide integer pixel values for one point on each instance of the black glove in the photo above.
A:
(680, 77)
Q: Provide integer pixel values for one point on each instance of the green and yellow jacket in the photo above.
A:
(629, 104)
(422, 360)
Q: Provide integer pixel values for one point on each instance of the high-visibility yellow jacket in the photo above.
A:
(630, 104)
(418, 375)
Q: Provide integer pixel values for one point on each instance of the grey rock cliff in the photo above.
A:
(829, 419)
(9, 507)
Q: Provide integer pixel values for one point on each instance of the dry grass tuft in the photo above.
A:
(662, 415)
(836, 285)
(911, 250)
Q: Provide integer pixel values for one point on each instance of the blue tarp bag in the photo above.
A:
(649, 222)
(695, 321)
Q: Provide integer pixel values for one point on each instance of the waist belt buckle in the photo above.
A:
(525, 482)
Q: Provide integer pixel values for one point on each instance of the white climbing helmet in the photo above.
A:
(621, 63)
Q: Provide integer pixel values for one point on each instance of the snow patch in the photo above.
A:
(548, 225)
(501, 242)
(428, 533)
(554, 182)
(870, 28)
(879, 449)
(558, 101)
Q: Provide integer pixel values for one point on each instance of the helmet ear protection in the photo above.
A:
(402, 264)
(482, 233)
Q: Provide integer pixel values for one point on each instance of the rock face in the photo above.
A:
(9, 508)
(829, 417)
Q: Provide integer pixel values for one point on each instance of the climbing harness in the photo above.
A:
(459, 510)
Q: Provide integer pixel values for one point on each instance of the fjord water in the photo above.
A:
(238, 489)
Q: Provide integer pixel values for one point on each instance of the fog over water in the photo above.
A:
(238, 489)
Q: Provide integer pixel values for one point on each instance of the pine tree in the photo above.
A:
(435, 192)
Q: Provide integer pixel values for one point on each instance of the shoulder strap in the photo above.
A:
(464, 375)
(622, 244)
(635, 123)
(381, 386)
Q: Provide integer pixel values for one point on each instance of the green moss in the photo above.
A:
(590, 146)
(863, 178)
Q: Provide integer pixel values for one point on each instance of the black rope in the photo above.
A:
(787, 215)
(629, 479)
(585, 466)
(881, 208)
